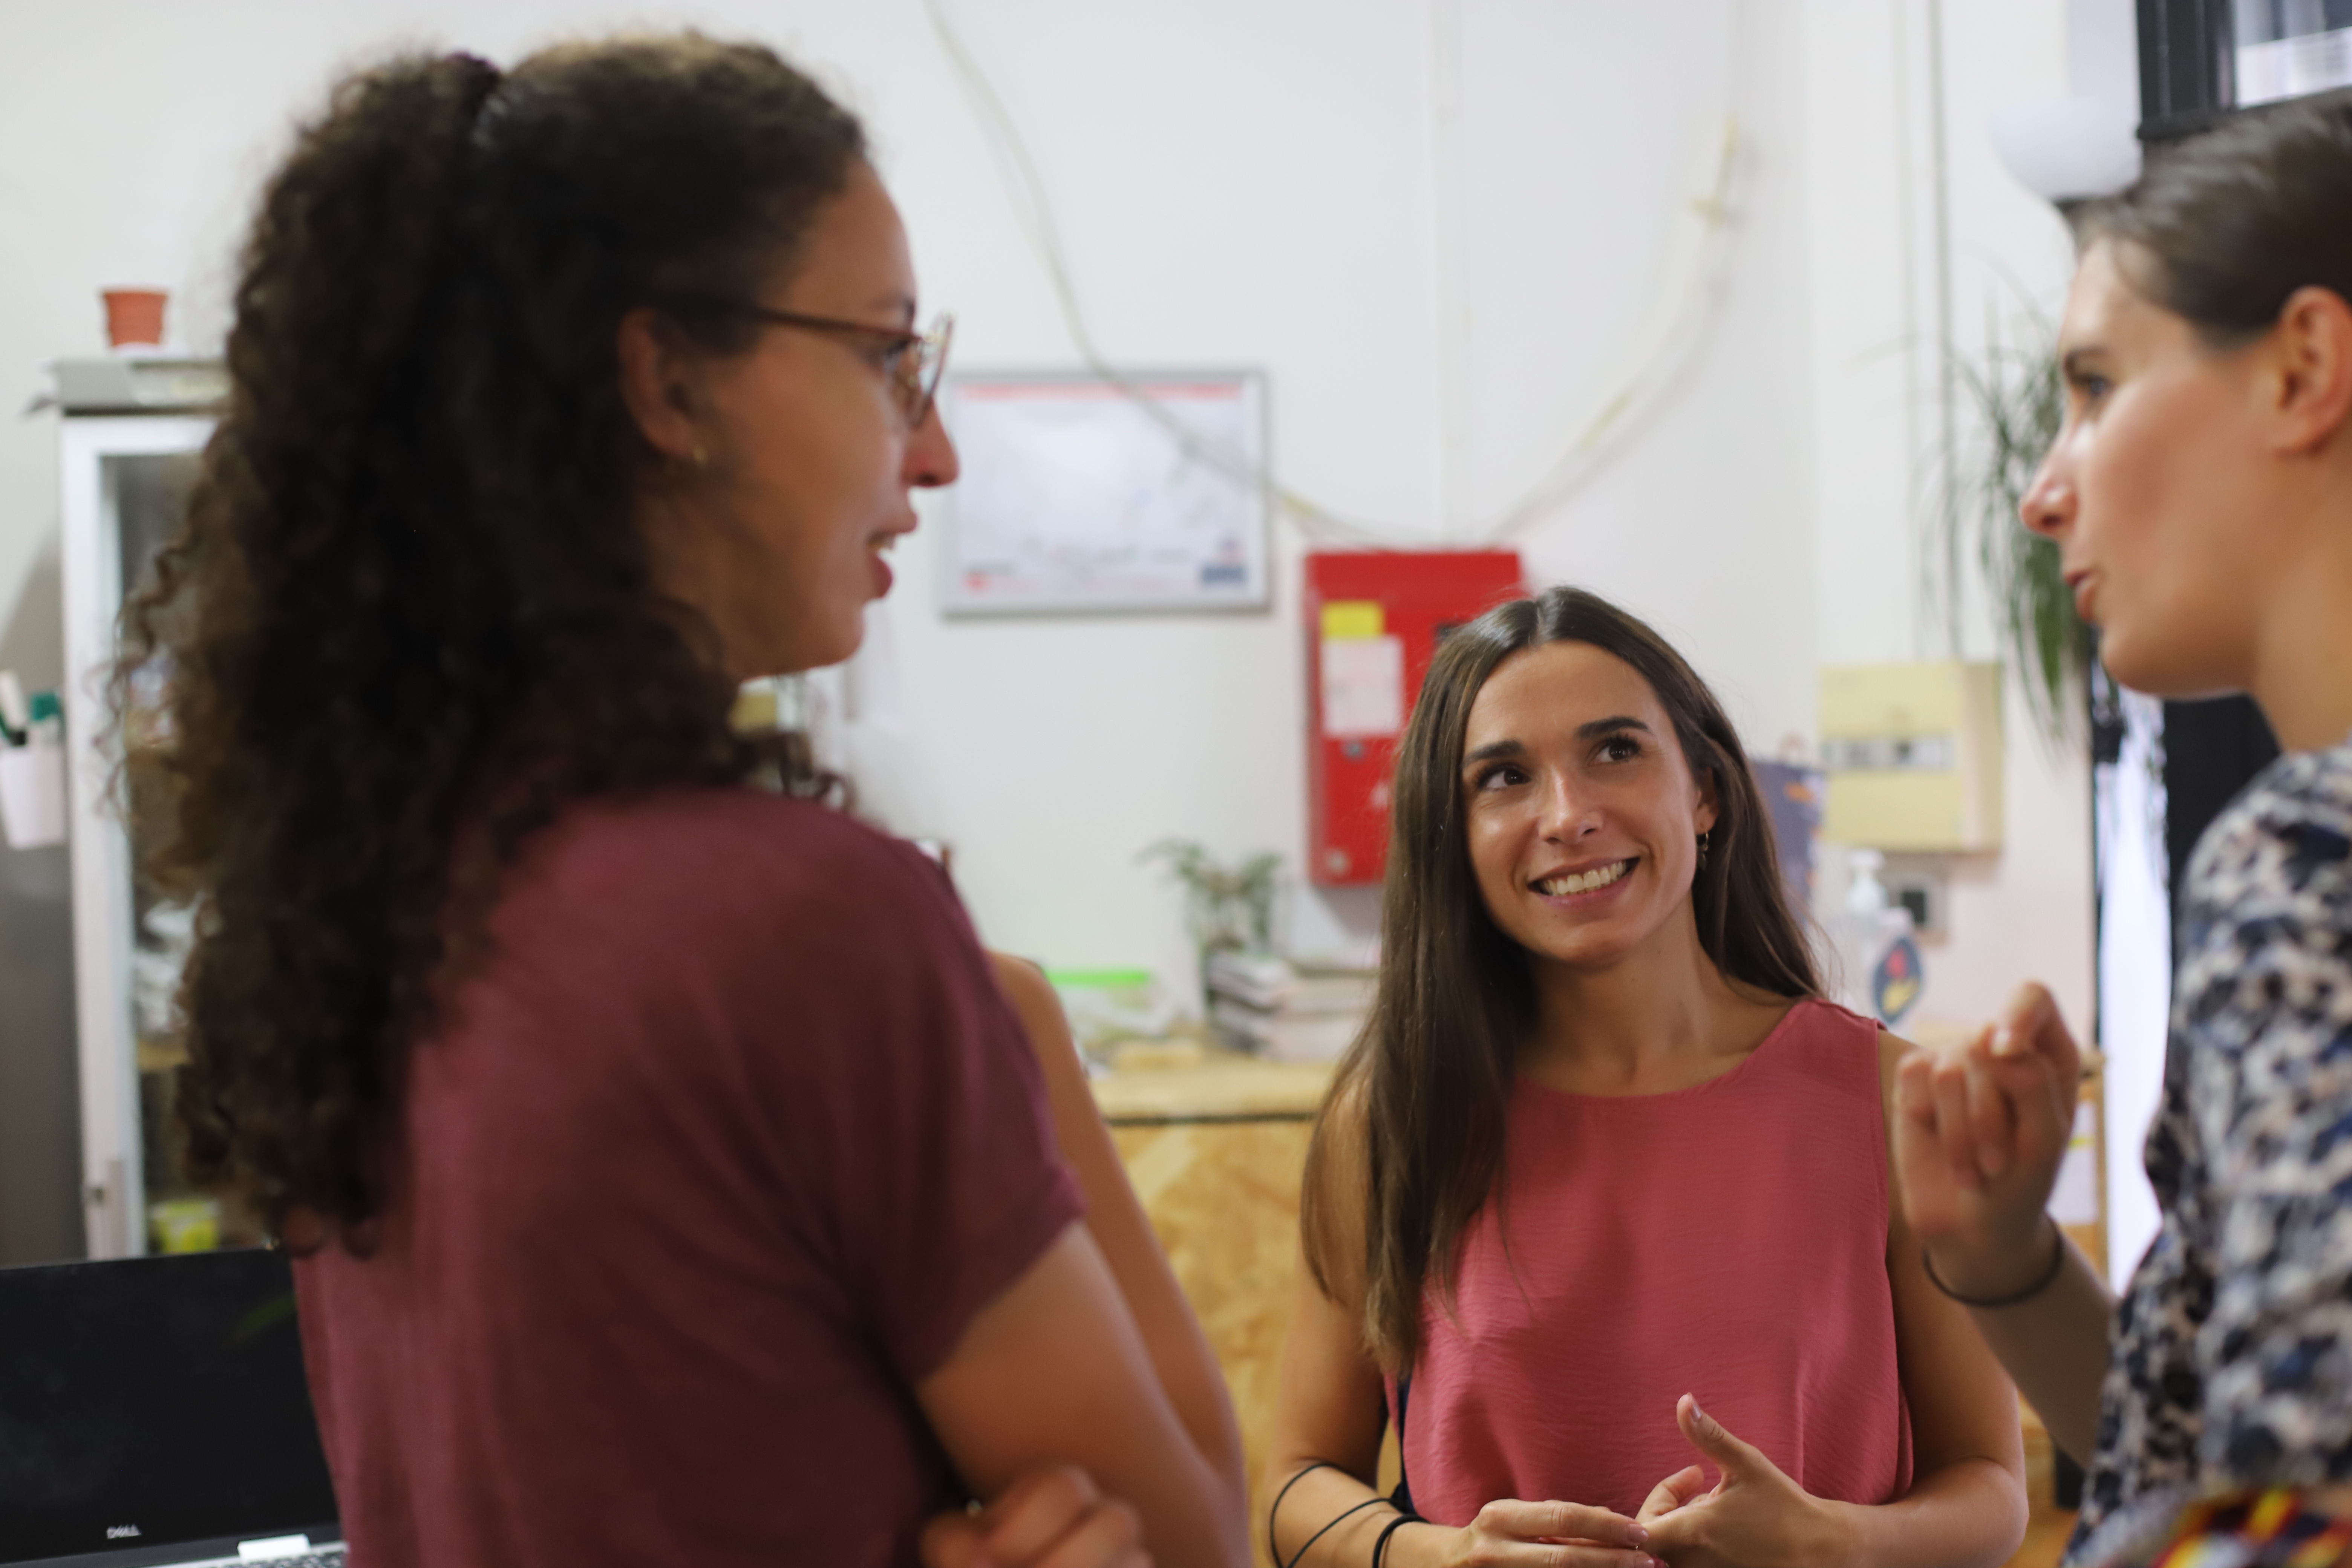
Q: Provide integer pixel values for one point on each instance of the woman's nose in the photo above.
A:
(932, 460)
(2048, 504)
(1567, 813)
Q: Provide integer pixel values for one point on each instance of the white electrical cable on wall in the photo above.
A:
(1033, 208)
(1036, 213)
(1591, 443)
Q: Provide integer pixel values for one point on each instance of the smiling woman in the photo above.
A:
(1604, 1154)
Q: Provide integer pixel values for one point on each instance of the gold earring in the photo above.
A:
(701, 457)
(1702, 850)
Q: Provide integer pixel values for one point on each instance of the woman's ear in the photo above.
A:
(2313, 387)
(1711, 799)
(657, 386)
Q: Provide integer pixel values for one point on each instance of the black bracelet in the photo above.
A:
(1381, 1547)
(2048, 1275)
(1344, 1514)
(1272, 1551)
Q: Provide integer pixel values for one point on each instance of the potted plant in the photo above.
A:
(1226, 909)
(2016, 400)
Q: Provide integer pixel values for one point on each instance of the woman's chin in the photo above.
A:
(2159, 666)
(799, 655)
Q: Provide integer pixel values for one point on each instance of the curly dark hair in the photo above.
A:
(411, 612)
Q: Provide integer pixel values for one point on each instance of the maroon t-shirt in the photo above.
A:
(716, 1158)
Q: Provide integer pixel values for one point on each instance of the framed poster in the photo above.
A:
(1081, 494)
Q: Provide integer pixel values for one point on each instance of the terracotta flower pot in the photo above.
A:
(133, 316)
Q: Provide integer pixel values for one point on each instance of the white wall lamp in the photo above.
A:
(2068, 150)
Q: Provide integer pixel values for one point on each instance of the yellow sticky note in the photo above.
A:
(1353, 620)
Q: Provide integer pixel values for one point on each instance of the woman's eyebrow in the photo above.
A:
(1607, 726)
(1491, 749)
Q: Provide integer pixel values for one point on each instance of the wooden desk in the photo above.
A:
(1215, 1144)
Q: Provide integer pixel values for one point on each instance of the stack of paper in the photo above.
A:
(1287, 1012)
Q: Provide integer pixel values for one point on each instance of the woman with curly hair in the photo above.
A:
(672, 1178)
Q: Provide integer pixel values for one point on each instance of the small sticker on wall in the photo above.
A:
(1895, 984)
(1363, 686)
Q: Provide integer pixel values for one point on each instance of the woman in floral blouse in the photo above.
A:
(2201, 492)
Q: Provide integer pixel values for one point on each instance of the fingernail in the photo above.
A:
(1699, 1415)
(2004, 1041)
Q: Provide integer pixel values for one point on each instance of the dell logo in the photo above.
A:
(122, 1531)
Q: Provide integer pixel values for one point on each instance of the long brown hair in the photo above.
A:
(1431, 1075)
(413, 589)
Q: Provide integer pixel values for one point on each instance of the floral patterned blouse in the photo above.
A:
(2232, 1360)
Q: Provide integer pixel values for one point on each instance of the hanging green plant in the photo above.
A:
(2018, 401)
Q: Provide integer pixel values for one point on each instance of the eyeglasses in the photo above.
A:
(912, 361)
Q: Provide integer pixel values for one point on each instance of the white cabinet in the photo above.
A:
(125, 478)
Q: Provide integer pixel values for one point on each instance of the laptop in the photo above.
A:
(153, 1411)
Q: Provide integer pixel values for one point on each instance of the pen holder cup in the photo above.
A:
(33, 795)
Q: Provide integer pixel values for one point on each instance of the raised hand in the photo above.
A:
(1052, 1518)
(1979, 1133)
(1754, 1517)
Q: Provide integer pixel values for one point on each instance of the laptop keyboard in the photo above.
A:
(325, 1557)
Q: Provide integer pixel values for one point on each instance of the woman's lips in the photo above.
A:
(2084, 584)
(878, 546)
(1588, 896)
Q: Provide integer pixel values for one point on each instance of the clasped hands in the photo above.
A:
(1049, 1518)
(1754, 1517)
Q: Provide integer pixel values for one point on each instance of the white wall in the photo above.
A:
(1919, 237)
(1259, 182)
(1307, 248)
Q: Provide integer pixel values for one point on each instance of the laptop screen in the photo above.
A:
(152, 1401)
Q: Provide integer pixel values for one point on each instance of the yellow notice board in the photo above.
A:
(1913, 756)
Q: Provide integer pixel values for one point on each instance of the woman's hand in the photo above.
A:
(1755, 1516)
(1671, 1494)
(1049, 1518)
(1509, 1533)
(1979, 1138)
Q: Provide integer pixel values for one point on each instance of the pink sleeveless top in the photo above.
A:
(1727, 1241)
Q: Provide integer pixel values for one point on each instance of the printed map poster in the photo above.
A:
(1082, 494)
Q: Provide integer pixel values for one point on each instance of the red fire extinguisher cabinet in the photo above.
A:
(1373, 620)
